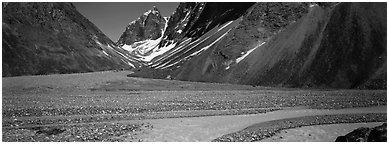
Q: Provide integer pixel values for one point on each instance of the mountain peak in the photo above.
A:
(153, 11)
(149, 26)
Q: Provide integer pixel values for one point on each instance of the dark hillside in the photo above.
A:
(299, 45)
(349, 53)
(46, 38)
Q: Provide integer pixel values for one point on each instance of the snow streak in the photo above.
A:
(248, 52)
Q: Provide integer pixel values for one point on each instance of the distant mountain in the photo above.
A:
(143, 35)
(46, 38)
(318, 45)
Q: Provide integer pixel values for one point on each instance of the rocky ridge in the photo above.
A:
(365, 134)
(142, 35)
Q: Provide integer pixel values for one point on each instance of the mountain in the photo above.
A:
(187, 29)
(313, 45)
(343, 46)
(143, 35)
(46, 38)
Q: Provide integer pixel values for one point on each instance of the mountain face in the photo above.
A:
(143, 34)
(195, 19)
(342, 46)
(318, 45)
(186, 30)
(45, 38)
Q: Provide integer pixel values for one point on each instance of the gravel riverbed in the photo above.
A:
(264, 130)
(62, 107)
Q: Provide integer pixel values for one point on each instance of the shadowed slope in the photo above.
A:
(46, 38)
(345, 50)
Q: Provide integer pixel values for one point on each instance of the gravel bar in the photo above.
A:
(106, 132)
(264, 130)
(63, 120)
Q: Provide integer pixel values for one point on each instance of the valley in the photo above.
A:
(210, 71)
(109, 106)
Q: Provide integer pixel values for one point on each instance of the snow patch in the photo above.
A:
(248, 52)
(175, 51)
(164, 29)
(148, 49)
(184, 21)
(130, 64)
(145, 46)
(312, 5)
(147, 13)
(110, 46)
(98, 43)
(132, 22)
(186, 16)
(168, 65)
(121, 54)
(153, 11)
(106, 53)
(225, 25)
(208, 46)
(127, 48)
(158, 52)
(197, 52)
(172, 52)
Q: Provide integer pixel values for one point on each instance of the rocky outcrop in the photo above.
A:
(180, 21)
(47, 38)
(149, 26)
(364, 134)
(143, 35)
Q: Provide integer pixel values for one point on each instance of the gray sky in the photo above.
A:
(113, 17)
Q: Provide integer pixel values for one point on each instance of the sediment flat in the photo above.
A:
(205, 129)
(109, 106)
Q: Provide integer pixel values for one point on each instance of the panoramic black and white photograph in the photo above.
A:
(194, 71)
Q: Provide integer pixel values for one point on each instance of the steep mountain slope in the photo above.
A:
(45, 38)
(190, 29)
(259, 25)
(321, 45)
(144, 34)
(342, 47)
(188, 23)
(193, 20)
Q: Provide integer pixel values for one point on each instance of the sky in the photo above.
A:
(113, 17)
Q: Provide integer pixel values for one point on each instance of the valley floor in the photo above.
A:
(318, 133)
(109, 106)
